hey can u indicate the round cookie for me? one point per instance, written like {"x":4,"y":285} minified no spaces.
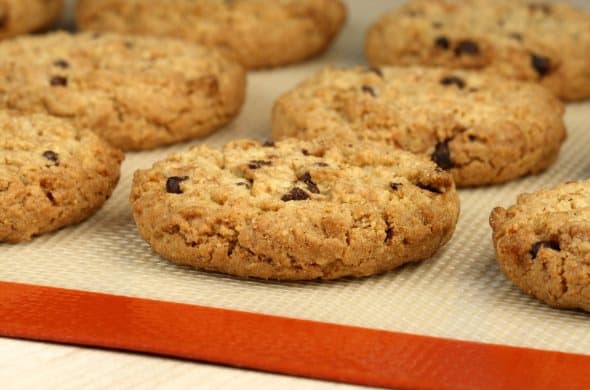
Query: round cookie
{"x":529,"y":40}
{"x":295,"y":210}
{"x":51,"y":175}
{"x":482,"y":128}
{"x":25,"y":16}
{"x":543,"y":244}
{"x":136,"y":92}
{"x":261,"y":33}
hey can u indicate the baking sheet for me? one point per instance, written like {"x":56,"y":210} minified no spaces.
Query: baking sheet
{"x":459,"y":294}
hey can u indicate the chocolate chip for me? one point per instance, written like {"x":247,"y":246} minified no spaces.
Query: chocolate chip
{"x":311,"y":186}
{"x":173,"y":184}
{"x":295,"y":194}
{"x":467,"y":47}
{"x":368,"y":89}
{"x":321,"y":164}
{"x":395,"y":186}
{"x":429,"y":187}
{"x":472,"y":138}
{"x":268,"y":144}
{"x":442,"y":155}
{"x":305,"y":152}
{"x":453,"y":80}
{"x":61,"y":64}
{"x":541,"y":64}
{"x":516,"y":36}
{"x":388,"y":234}
{"x":442,"y":42}
{"x":58,"y":81}
{"x":554,"y":245}
{"x":244,"y":184}
{"x":257,"y":164}
{"x":51,"y":156}
{"x":377,"y":71}
{"x":3,"y":20}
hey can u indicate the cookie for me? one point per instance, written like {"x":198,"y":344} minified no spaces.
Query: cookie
{"x":543,"y":244}
{"x":531,"y":40}
{"x":52,"y":174}
{"x":482,"y":128}
{"x":137,"y":93}
{"x":260,"y":33}
{"x":295,"y":210}
{"x":21,"y":17}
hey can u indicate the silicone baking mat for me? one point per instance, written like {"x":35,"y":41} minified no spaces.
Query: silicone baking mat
{"x":104,"y":287}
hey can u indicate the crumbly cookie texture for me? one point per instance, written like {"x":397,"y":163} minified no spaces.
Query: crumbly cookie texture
{"x":538,"y":41}
{"x":295,"y":210}
{"x":483,"y":129}
{"x":137,"y":93}
{"x":51,"y":175}
{"x":261,"y":33}
{"x":21,"y":17}
{"x":543,"y":244}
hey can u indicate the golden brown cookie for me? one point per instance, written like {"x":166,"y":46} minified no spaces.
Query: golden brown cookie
{"x":25,"y":16}
{"x":51,"y":175}
{"x":261,"y":33}
{"x":543,"y":244}
{"x":295,"y":210}
{"x":529,"y":40}
{"x":136,"y":92}
{"x":482,"y":128}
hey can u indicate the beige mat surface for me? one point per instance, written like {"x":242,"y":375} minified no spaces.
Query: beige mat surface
{"x":459,"y":294}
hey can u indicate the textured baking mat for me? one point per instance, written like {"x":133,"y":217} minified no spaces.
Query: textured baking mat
{"x":460,"y":294}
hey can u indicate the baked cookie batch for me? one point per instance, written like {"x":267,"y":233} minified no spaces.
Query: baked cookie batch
{"x":361,"y":174}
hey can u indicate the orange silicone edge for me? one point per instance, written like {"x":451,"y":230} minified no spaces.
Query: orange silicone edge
{"x":282,"y":345}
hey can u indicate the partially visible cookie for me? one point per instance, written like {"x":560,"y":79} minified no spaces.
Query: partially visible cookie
{"x":484,"y":129}
{"x":25,"y":16}
{"x":51,"y":175}
{"x":530,"y":40}
{"x":543,"y":244}
{"x":137,"y":93}
{"x":295,"y":210}
{"x":261,"y":33}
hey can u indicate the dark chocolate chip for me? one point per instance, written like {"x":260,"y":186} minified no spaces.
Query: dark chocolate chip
{"x":58,"y":81}
{"x":467,"y":47}
{"x":51,"y":156}
{"x":173,"y":184}
{"x":268,"y":144}
{"x":388,"y":234}
{"x":537,"y":246}
{"x":305,"y":152}
{"x":295,"y":194}
{"x":472,"y":138}
{"x":377,"y":71}
{"x":368,"y":89}
{"x":429,"y":187}
{"x":257,"y":164}
{"x":453,"y":80}
{"x":61,"y":64}
{"x":321,"y":164}
{"x":541,"y":64}
{"x":442,"y":155}
{"x":244,"y":184}
{"x":442,"y":42}
{"x":311,"y":186}
{"x":516,"y":36}
{"x":395,"y":186}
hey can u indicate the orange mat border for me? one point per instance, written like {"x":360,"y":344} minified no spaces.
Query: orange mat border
{"x":276,"y":344}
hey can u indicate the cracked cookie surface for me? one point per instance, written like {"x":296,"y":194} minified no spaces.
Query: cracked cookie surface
{"x":21,"y":17}
{"x":531,"y":40}
{"x":543,"y":244}
{"x":51,"y":175}
{"x":483,"y":129}
{"x":295,"y":210}
{"x":137,"y":93}
{"x":260,"y":33}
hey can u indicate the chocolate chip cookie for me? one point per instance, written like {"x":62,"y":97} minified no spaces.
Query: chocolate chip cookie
{"x":137,"y":93}
{"x":21,"y":17}
{"x":294,"y":209}
{"x":531,"y":40}
{"x":543,"y":244}
{"x":482,"y":128}
{"x":260,"y":33}
{"x":52,"y":174}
